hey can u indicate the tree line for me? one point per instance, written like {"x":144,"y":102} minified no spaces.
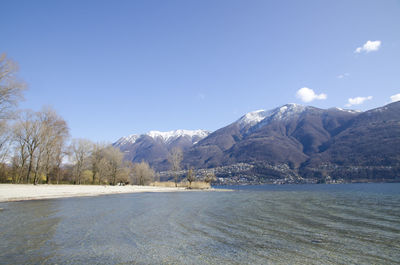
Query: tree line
{"x":35,"y":146}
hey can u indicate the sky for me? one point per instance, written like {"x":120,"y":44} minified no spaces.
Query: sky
{"x":114,"y":68}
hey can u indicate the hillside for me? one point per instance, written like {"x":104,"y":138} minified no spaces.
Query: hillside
{"x":154,"y":146}
{"x":295,"y":142}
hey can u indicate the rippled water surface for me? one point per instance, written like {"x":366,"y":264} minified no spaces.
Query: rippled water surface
{"x":299,"y":224}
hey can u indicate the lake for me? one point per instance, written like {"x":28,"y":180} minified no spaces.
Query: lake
{"x":270,"y":224}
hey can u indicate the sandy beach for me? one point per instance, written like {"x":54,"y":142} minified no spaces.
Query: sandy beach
{"x":22,"y":192}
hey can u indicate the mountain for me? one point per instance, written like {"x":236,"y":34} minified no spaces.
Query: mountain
{"x":369,"y":147}
{"x":288,"y":134}
{"x":154,"y":146}
{"x":288,"y":144}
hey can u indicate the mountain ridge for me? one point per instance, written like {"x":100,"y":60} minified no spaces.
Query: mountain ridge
{"x":165,"y":136}
{"x":154,"y":146}
{"x":301,"y":138}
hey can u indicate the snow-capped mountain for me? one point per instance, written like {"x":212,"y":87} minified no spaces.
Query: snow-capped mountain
{"x":290,"y":132}
{"x":349,"y":110}
{"x":283,"y":112}
{"x":280,"y":125}
{"x":259,"y":118}
{"x":154,"y":146}
{"x":252,"y":118}
{"x":130,"y":139}
{"x":166,"y":137}
{"x":303,"y":138}
{"x":256,"y":119}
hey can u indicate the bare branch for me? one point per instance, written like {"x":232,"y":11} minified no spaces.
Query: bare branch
{"x":11,"y":87}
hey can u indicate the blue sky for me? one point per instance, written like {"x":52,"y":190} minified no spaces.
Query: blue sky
{"x":113,"y":68}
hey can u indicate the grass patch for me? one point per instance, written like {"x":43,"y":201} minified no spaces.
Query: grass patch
{"x":184,"y":184}
{"x":200,"y":185}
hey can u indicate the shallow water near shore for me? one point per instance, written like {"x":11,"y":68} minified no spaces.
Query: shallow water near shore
{"x":287,"y":224}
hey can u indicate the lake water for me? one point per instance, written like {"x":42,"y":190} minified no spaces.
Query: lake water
{"x":288,"y":224}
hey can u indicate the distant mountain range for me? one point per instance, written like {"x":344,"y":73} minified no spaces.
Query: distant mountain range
{"x":154,"y":146}
{"x":301,"y":141}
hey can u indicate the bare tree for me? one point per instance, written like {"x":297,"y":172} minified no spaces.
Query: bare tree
{"x":142,"y":173}
{"x":20,"y":157}
{"x":19,"y":165}
{"x":5,"y":140}
{"x":27,"y":135}
{"x":114,"y":158}
{"x":190,"y":176}
{"x":127,"y":172}
{"x":210,"y":177}
{"x":37,"y":167}
{"x":54,"y":135}
{"x":5,"y":171}
{"x":39,"y":140}
{"x":175,"y":158}
{"x":103,"y":171}
{"x":61,"y":152}
{"x":80,"y":153}
{"x":97,"y":161}
{"x":11,"y":87}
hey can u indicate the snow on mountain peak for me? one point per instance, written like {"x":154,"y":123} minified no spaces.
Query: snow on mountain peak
{"x":170,"y":135}
{"x":349,"y":110}
{"x":130,"y":139}
{"x":287,"y":111}
{"x":261,"y":117}
{"x":253,"y":117}
{"x":164,"y":136}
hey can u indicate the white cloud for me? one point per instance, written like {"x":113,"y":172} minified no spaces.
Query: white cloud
{"x":395,"y":98}
{"x":369,"y":46}
{"x":307,"y":94}
{"x":357,"y":101}
{"x":343,"y":75}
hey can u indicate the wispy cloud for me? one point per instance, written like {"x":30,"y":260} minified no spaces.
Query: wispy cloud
{"x":369,"y":46}
{"x":357,"y":101}
{"x":343,"y":75}
{"x":395,"y":98}
{"x":307,"y":95}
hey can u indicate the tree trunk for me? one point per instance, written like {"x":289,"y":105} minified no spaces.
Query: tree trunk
{"x":28,"y":179}
{"x":58,"y":175}
{"x":36,"y":177}
{"x":176,"y":181}
{"x":113,"y":179}
{"x":94,"y":177}
{"x":47,"y":175}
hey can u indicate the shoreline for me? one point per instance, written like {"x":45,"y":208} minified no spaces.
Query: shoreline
{"x":29,"y":192}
